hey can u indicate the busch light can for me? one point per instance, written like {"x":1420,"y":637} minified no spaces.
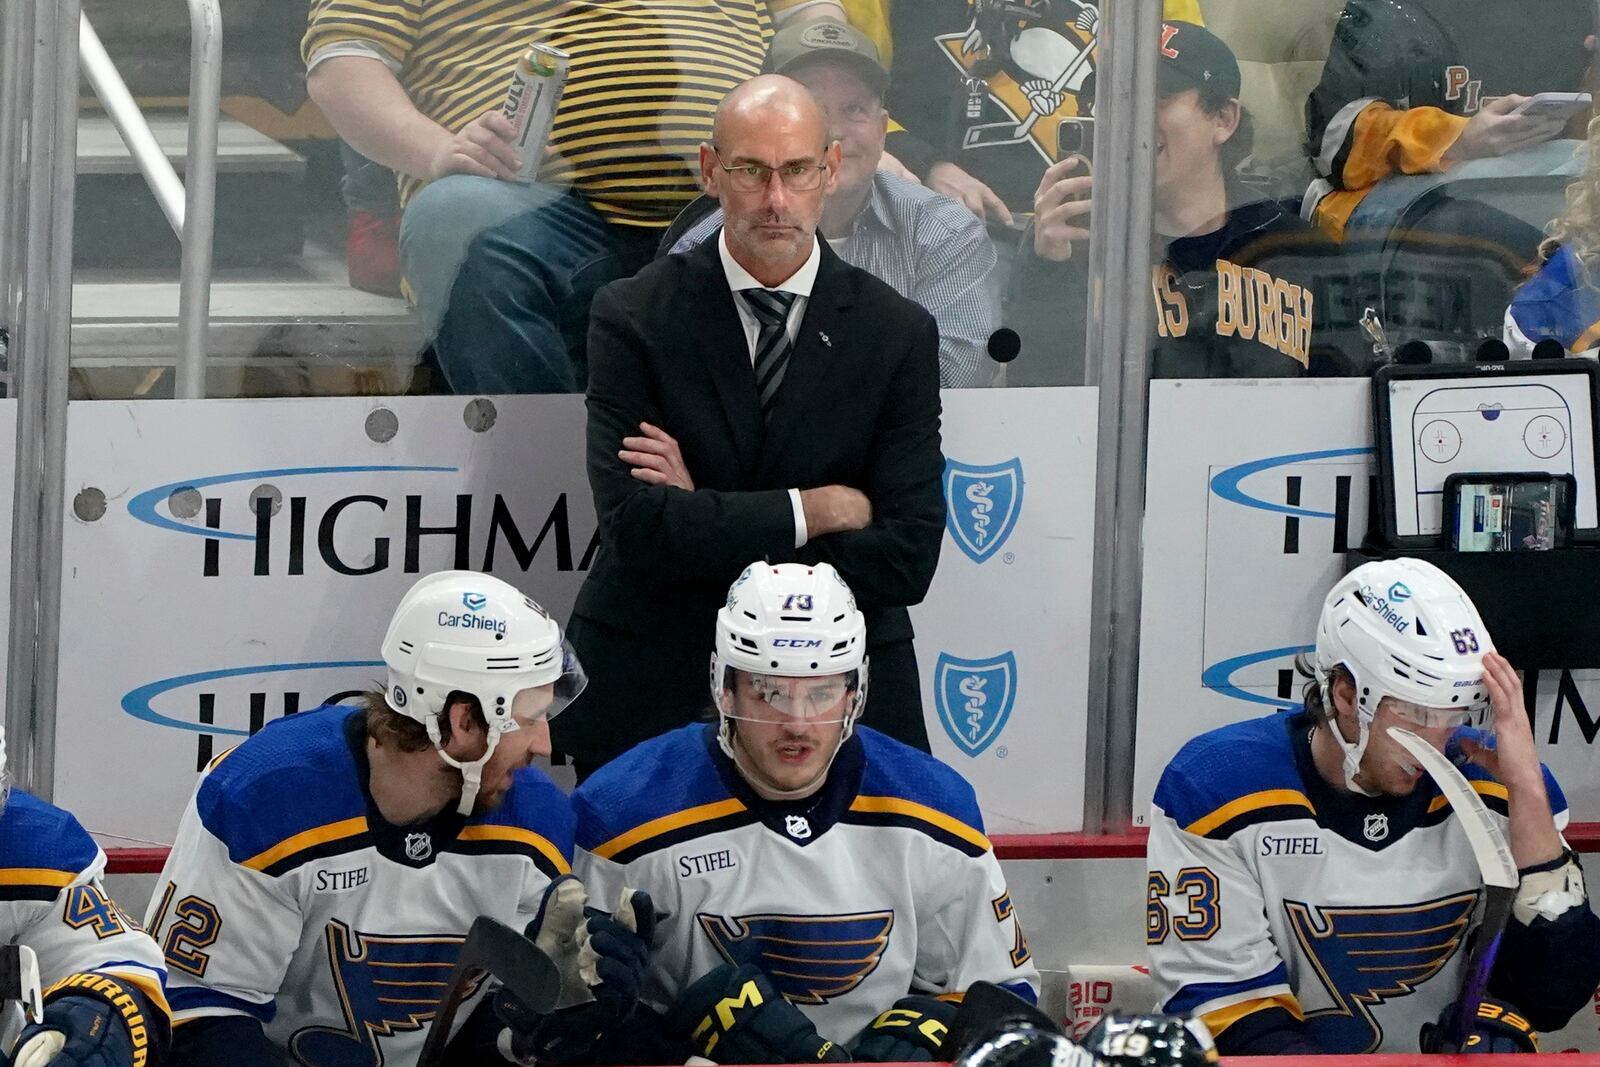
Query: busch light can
{"x":536,"y":86}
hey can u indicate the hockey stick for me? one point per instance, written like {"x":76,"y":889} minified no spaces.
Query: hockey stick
{"x":986,"y":1010}
{"x":493,"y":949}
{"x":20,"y":1002}
{"x":1495,"y":864}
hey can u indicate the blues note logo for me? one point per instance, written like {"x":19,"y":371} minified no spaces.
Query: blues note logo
{"x":1365,"y":956}
{"x":982,"y":505}
{"x":974,"y":698}
{"x":810,"y":958}
{"x":388,"y":986}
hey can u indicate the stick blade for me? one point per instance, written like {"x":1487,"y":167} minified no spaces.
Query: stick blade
{"x":1489,"y":845}
{"x":494,"y":949}
{"x":987,"y":1009}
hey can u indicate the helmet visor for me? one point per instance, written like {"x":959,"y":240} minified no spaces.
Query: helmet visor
{"x":551,"y":699}
{"x":773,"y":699}
{"x":1475,"y":714}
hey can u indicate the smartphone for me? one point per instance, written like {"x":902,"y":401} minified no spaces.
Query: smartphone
{"x":1075,"y":137}
{"x":1509,"y":512}
{"x":1554,"y":105}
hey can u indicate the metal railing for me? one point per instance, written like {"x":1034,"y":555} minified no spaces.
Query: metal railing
{"x":190,"y":204}
{"x":45,"y":44}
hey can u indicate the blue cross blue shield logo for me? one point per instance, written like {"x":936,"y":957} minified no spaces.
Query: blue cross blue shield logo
{"x":974,"y":697}
{"x":982,"y":505}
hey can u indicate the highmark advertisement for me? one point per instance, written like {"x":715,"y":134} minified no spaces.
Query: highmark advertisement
{"x":229,"y":562}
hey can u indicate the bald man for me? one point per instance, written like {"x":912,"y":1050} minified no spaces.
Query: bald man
{"x":755,"y":398}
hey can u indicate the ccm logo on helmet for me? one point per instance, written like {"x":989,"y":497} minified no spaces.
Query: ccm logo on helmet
{"x":797,"y":642}
{"x":472,"y":622}
{"x":1381,"y":606}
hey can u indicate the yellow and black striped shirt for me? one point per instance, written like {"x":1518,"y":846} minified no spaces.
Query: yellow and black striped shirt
{"x":646,"y":79}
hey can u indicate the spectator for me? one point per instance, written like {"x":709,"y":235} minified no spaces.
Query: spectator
{"x":1415,"y":86}
{"x":929,"y":248}
{"x":870,"y":930}
{"x":992,"y":94}
{"x":1562,"y":301}
{"x":1280,"y":844}
{"x":503,"y":272}
{"x":1232,"y":287}
{"x":756,"y":398}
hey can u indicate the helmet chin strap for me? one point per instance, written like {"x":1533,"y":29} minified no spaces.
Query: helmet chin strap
{"x":471,"y":770}
{"x":1352,"y":751}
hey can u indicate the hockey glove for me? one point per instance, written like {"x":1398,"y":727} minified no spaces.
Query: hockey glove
{"x":602,"y":959}
{"x":911,"y":1031}
{"x":616,"y":950}
{"x":735,"y":1015}
{"x":1499,"y":1028}
{"x":91,"y":1020}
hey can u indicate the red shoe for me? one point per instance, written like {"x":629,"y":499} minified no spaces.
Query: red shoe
{"x":372,"y":253}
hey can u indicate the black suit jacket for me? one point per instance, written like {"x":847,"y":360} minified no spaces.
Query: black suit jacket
{"x":859,"y":406}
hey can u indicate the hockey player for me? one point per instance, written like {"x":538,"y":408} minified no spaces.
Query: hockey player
{"x":806,"y":863}
{"x":326,"y":870}
{"x":1310,"y":890}
{"x":103,"y":1000}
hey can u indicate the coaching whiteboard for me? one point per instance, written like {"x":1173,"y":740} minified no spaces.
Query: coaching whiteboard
{"x":1504,"y":423}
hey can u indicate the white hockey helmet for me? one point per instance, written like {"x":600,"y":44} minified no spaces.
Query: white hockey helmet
{"x":1403,"y":629}
{"x":789,"y":620}
{"x":461,"y":631}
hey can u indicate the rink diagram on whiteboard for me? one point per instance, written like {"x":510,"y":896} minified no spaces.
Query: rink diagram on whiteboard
{"x":1485,"y":427}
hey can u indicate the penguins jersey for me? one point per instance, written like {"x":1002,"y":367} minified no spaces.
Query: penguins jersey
{"x":880,"y":885}
{"x":52,"y":901}
{"x":289,"y":899}
{"x":1268,"y":889}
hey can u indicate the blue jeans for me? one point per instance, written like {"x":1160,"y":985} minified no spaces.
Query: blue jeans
{"x":503,"y":275}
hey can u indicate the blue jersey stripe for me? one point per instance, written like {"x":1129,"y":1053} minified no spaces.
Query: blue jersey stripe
{"x":1190,"y":997}
{"x":192,"y":998}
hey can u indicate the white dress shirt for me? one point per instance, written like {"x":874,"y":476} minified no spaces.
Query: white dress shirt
{"x":799,"y":283}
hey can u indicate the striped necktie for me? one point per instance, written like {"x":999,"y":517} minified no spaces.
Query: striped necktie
{"x":771,"y":309}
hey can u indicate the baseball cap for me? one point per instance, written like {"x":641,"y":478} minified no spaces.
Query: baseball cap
{"x":1192,"y":57}
{"x":795,"y":46}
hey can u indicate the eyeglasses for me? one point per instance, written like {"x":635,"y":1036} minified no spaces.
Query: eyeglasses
{"x":797,"y":177}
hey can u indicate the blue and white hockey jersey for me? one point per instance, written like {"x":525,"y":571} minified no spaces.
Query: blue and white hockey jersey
{"x":879,"y":885}
{"x":1270,"y":890}
{"x":52,"y":901}
{"x":287,"y":897}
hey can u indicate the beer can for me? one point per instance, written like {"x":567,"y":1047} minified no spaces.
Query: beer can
{"x":531,"y":102}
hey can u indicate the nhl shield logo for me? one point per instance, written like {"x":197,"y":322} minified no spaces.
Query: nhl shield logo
{"x":1375,"y":827}
{"x":418,"y":847}
{"x":974,"y":698}
{"x":982,"y":505}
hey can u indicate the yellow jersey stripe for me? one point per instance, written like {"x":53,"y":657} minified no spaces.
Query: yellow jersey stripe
{"x":668,"y":823}
{"x":1488,"y":789}
{"x":923,"y":813}
{"x":521,"y":836}
{"x":1267,"y":798}
{"x":1219,"y":1020}
{"x":36,"y":876}
{"x":146,"y":984}
{"x":317,"y":835}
